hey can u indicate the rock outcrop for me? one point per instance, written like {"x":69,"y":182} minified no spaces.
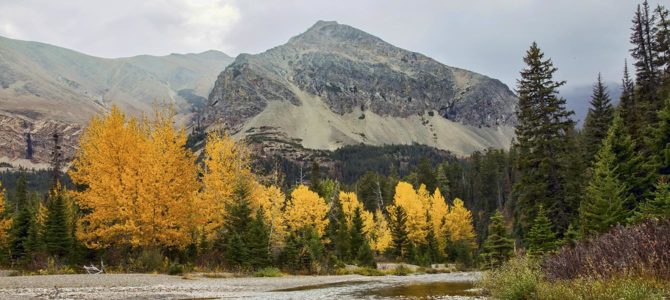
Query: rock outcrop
{"x":335,"y":85}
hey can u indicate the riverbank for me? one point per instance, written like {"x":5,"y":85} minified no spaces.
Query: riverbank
{"x":148,"y":286}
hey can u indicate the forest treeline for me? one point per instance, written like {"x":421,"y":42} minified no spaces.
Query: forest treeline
{"x":139,"y":197}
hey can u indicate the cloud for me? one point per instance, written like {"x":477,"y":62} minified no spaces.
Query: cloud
{"x":583,"y":37}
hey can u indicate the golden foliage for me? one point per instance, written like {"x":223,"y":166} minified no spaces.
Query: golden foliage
{"x":350,"y":203}
{"x":226,"y":162}
{"x":380,"y":235}
{"x":306,"y":208}
{"x":438,"y":213}
{"x":407,"y":198}
{"x":5,"y":223}
{"x":459,"y":222}
{"x":271,"y":200}
{"x":139,"y":180}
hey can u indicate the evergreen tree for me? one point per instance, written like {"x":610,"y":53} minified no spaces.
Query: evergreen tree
{"x":19,"y":233}
{"x":543,"y":145}
{"x":442,"y":179}
{"x":432,"y":247}
{"x":342,"y":239}
{"x":663,"y":40}
{"x":570,"y":236}
{"x":21,"y":194}
{"x":498,"y":246}
{"x":400,"y":244}
{"x":289,"y":256}
{"x":56,"y":160}
{"x":357,"y":235}
{"x":627,"y":106}
{"x":606,"y":195}
{"x":541,"y":239}
{"x":258,"y":241}
{"x":659,"y":160}
{"x":629,"y":167}
{"x":658,"y":206}
{"x":236,"y":227}
{"x":315,"y":178}
{"x":365,"y":256}
{"x":642,"y":38}
{"x":425,"y":174}
{"x":57,"y":237}
{"x":598,"y":119}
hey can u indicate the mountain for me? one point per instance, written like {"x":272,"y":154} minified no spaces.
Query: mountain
{"x":43,"y":87}
{"x":335,"y":85}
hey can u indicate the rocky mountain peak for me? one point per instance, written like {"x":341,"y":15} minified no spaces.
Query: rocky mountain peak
{"x":327,"y":33}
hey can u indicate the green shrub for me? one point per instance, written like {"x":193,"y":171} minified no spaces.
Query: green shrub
{"x":606,"y":289}
{"x":401,"y":270}
{"x":175,"y":269}
{"x":516,"y":279}
{"x":149,"y":260}
{"x":367,"y":271}
{"x":268,"y":272}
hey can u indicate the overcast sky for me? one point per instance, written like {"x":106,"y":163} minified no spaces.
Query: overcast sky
{"x":583,"y":37}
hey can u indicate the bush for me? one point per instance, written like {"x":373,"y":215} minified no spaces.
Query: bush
{"x":642,"y":249}
{"x":149,"y":260}
{"x":516,"y":279}
{"x":268,"y":272}
{"x":401,"y":270}
{"x":613,"y":288}
{"x":175,"y":269}
{"x":367,"y":271}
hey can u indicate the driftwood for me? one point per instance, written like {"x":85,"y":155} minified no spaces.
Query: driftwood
{"x":92,"y":269}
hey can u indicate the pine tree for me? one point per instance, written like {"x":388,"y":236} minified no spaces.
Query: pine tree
{"x":663,"y":40}
{"x":57,"y":237}
{"x":56,"y":160}
{"x":19,"y":233}
{"x":342,"y":238}
{"x":598,"y":119}
{"x":657,"y":207}
{"x":541,"y":238}
{"x":498,"y":246}
{"x":642,"y":38}
{"x":425,"y":174}
{"x":432,"y":247}
{"x":21,"y":193}
{"x":236,"y":226}
{"x":627,"y":104}
{"x":606,"y":195}
{"x":357,"y":235}
{"x":399,"y":233}
{"x":629,"y":169}
{"x":258,"y":242}
{"x":571,"y":235}
{"x":542,"y":143}
{"x":365,"y":256}
{"x":659,"y":162}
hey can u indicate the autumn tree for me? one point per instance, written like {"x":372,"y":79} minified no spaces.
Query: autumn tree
{"x":438,"y":212}
{"x":306,"y":209}
{"x":138,"y":181}
{"x":226,"y":162}
{"x":413,"y":209}
{"x":5,"y":220}
{"x":380,"y":235}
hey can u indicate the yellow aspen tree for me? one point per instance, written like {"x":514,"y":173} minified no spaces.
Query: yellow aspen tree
{"x":5,"y":223}
{"x":169,"y":181}
{"x":350,"y":203}
{"x":226,"y":162}
{"x":271,"y":200}
{"x":459,"y":223}
{"x":380,"y":235}
{"x":407,"y":198}
{"x":109,"y":166}
{"x":306,"y":208}
{"x":438,"y":214}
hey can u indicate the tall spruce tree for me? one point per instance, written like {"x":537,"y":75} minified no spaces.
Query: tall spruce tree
{"x":598,"y":119}
{"x":606,"y":195}
{"x":258,"y":241}
{"x":657,"y":207}
{"x":19,"y":233}
{"x":543,"y":145}
{"x":357,"y":235}
{"x":643,"y":40}
{"x":498,"y":247}
{"x":627,"y":106}
{"x":57,"y":237}
{"x":659,"y":143}
{"x":663,"y":40}
{"x":541,"y":238}
{"x":56,"y":163}
{"x":233,"y":240}
{"x":400,"y":241}
{"x":365,"y":256}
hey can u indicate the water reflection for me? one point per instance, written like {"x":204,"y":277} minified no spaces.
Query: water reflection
{"x":423,"y":290}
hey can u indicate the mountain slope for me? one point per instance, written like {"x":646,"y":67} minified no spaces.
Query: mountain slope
{"x":336,"y":85}
{"x":44,"y":86}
